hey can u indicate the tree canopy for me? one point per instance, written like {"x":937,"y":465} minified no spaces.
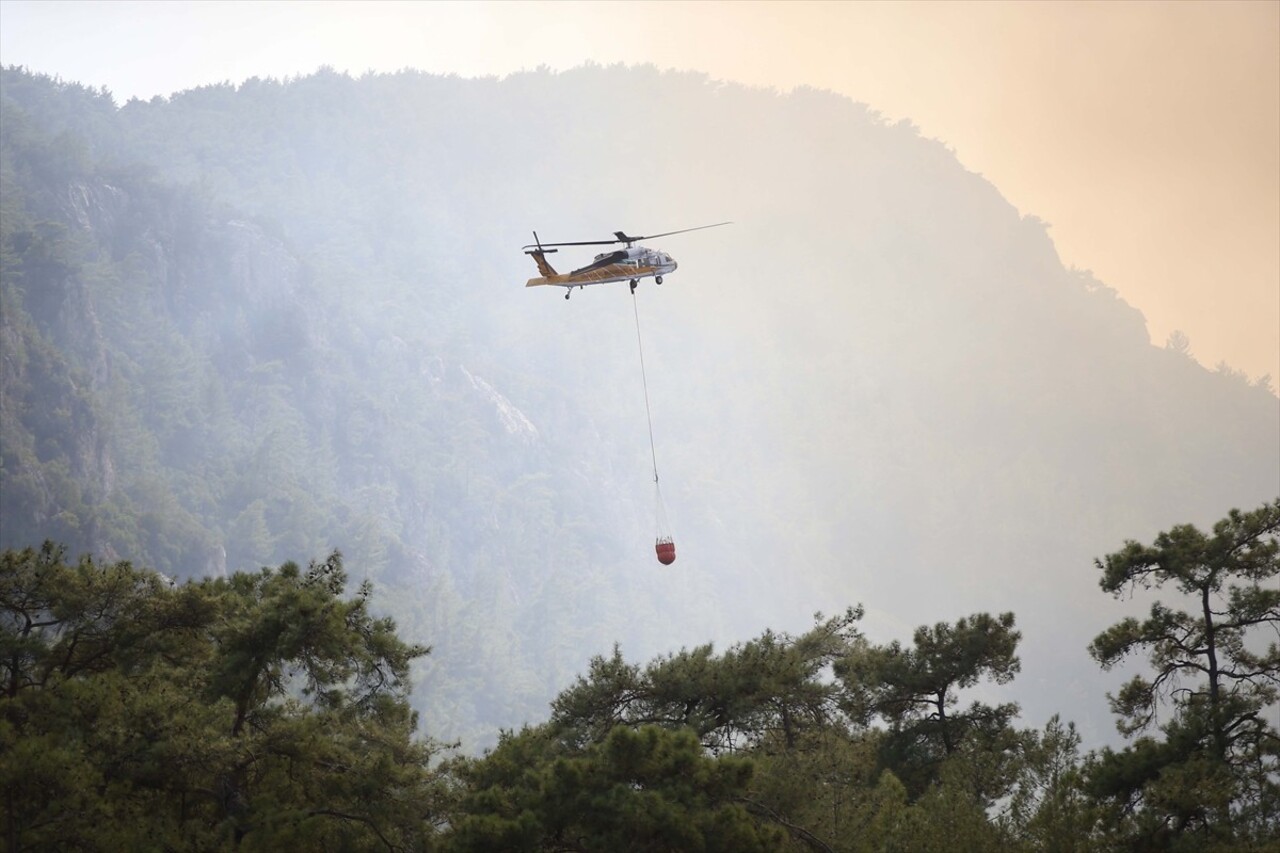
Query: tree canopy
{"x":265,"y":711}
{"x":1217,"y":665}
{"x":269,"y":710}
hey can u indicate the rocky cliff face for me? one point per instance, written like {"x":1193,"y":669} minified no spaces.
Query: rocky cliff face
{"x":113,"y":295}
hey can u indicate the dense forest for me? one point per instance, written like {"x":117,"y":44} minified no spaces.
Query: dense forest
{"x":268,"y":711}
{"x":260,"y":325}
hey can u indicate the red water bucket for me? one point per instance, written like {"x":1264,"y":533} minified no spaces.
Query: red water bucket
{"x":666,"y":549}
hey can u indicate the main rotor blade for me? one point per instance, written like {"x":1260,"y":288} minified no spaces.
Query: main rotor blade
{"x":626,"y":238}
{"x":681,"y":231}
{"x":580,"y":243}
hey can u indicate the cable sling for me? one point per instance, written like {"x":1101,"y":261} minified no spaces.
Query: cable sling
{"x":645,"y":382}
{"x":665,"y":545}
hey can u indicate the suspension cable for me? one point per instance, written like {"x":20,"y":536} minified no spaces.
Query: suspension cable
{"x":645,"y":381}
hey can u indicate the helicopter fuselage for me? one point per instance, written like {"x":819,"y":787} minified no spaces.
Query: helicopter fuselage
{"x":629,"y":264}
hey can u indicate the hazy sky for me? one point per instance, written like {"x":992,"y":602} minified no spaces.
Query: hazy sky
{"x":1147,"y":134}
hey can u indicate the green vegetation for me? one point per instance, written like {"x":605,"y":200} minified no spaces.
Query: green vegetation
{"x":263,"y":711}
{"x":269,"y":711}
{"x":1214,"y":775}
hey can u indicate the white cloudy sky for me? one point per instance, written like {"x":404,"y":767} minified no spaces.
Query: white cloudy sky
{"x":1147,"y":134}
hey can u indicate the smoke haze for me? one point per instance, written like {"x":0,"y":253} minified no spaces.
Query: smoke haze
{"x":1148,"y":135}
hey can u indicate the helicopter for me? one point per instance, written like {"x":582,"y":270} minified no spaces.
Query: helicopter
{"x":630,"y":263}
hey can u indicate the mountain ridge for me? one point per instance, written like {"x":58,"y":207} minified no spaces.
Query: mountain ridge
{"x":279,"y":317}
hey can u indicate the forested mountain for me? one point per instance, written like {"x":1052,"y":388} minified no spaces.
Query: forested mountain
{"x":251,"y":324}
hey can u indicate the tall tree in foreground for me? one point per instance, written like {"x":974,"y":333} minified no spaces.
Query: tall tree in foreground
{"x":1215,"y":778}
{"x":266,"y":711}
{"x":916,"y":691}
